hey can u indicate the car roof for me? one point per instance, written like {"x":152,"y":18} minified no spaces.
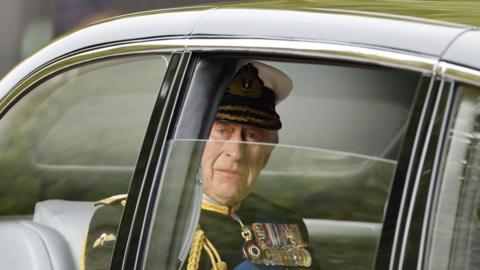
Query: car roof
{"x":287,"y":21}
{"x":425,"y":38}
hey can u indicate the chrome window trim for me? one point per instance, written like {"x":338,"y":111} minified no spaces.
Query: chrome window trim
{"x":459,"y":73}
{"x":390,"y":58}
{"x":426,"y":234}
{"x":416,"y":181}
{"x":448,"y":72}
{"x":396,"y":59}
{"x":399,"y":242}
{"x":55,"y":66}
{"x":357,"y":52}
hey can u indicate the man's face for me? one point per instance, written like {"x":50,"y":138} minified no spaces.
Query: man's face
{"x":232,"y":160}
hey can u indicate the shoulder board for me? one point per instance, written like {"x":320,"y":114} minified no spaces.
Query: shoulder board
{"x":115,"y":199}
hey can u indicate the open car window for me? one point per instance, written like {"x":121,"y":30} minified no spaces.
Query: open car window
{"x":344,"y":126}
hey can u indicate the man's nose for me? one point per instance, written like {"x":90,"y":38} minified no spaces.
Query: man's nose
{"x":235,"y":148}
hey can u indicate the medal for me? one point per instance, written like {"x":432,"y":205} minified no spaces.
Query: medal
{"x":252,"y":251}
{"x":281,"y":244}
{"x":274,"y":244}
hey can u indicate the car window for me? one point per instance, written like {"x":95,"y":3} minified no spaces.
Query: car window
{"x":74,"y":140}
{"x":329,"y":176}
{"x":455,"y":235}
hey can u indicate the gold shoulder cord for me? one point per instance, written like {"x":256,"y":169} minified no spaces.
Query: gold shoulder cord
{"x":84,"y":249}
{"x":200,"y":241}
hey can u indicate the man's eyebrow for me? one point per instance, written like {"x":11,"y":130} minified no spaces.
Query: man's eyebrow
{"x":222,"y":122}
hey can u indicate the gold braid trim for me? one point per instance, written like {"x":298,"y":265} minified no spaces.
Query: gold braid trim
{"x":212,"y":258}
{"x":84,"y":250}
{"x":217,"y":262}
{"x":200,"y":241}
{"x":246,"y":119}
{"x":220,"y":209}
{"x":195,"y":250}
{"x":243,"y":109}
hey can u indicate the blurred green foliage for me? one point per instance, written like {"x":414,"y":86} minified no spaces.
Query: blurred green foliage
{"x":78,"y":134}
{"x":462,"y":12}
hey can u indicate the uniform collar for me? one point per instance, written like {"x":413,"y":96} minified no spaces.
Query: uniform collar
{"x":209,"y":204}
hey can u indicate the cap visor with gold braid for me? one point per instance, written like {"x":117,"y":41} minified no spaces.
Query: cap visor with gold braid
{"x":252,"y":94}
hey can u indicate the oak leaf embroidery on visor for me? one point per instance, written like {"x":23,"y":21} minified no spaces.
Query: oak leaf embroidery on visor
{"x":246,"y":119}
{"x":243,"y":109}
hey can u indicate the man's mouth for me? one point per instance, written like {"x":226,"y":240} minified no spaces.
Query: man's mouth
{"x":229,"y":173}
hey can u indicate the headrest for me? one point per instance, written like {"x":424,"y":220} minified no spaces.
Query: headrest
{"x":70,"y":218}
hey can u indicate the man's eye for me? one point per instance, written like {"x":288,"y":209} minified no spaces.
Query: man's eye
{"x":251,"y":135}
{"x":222,"y":131}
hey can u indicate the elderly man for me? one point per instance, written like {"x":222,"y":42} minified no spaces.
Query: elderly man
{"x":238,"y":229}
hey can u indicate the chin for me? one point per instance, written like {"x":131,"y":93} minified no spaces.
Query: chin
{"x":228,"y":198}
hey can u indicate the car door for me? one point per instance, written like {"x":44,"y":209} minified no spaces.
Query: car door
{"x":353,"y":128}
{"x":77,"y":130}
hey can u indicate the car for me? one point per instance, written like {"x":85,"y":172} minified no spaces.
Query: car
{"x":377,"y":154}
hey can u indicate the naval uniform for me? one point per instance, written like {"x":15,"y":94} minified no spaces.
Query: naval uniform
{"x":223,"y":228}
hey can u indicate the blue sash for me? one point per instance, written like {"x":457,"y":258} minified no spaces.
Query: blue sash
{"x":247,"y":265}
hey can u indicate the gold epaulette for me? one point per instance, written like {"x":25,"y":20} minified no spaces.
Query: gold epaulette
{"x":115,"y":199}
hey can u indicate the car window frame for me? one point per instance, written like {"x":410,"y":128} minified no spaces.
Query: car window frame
{"x":391,"y":239}
{"x":428,"y":178}
{"x":306,"y":51}
{"x":152,"y":157}
{"x":190,"y":125}
{"x":450,"y":75}
{"x":416,"y":210}
{"x":414,"y":247}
